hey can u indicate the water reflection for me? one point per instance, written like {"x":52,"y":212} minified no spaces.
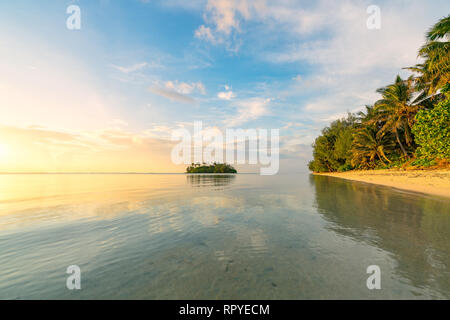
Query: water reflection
{"x":209,"y":180}
{"x":177,"y":237}
{"x":415,"y":229}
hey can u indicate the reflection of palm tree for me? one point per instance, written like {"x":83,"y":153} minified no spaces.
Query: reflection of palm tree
{"x":411,"y":229}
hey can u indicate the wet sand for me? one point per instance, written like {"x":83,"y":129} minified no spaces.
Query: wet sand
{"x":436,"y":182}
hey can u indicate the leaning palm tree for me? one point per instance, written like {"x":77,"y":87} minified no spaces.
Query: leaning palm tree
{"x":368,"y":146}
{"x":434,"y":72}
{"x":396,"y":110}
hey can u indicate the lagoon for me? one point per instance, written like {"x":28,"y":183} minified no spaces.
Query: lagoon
{"x":156,"y":236}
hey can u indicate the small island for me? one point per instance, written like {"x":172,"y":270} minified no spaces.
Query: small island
{"x":211,"y":168}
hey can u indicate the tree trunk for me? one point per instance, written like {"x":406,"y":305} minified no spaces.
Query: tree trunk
{"x":381,"y":159}
{"x":400,"y":144}
{"x":384,"y":156}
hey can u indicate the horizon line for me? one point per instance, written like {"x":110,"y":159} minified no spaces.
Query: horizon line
{"x":119,"y":172}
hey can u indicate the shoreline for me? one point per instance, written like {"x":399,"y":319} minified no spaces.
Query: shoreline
{"x":433,"y":182}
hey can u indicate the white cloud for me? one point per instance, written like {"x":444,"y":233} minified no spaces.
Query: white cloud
{"x":349,"y":61}
{"x":223,"y":14}
{"x":185,"y":88}
{"x":224,"y":18}
{"x":250,"y":109}
{"x":293,"y":146}
{"x":205,"y":33}
{"x":228,"y":95}
{"x":352,"y":48}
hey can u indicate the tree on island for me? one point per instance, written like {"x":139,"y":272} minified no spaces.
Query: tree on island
{"x":212,"y":168}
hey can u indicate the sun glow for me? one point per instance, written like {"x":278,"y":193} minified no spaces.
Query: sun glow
{"x":4,"y":151}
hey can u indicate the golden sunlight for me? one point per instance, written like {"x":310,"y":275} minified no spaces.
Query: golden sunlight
{"x":4,"y":151}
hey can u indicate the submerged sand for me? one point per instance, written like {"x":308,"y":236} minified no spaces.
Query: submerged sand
{"x":436,"y":182}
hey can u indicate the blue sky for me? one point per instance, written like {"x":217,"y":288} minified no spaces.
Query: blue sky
{"x":147,"y":67}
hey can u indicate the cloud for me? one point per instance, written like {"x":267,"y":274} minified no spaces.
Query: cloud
{"x":179,"y":91}
{"x":348,"y":61}
{"x":343,"y":101}
{"x":118,"y":122}
{"x":296,"y":146}
{"x":351,"y":47}
{"x":185,"y":88}
{"x":224,"y":14}
{"x":172,"y":95}
{"x":224,"y":18}
{"x":250,"y":109}
{"x":228,"y":95}
{"x":132,"y":68}
{"x":205,"y":33}
{"x":37,"y":149}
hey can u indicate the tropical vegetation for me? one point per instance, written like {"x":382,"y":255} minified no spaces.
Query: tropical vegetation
{"x":408,"y":125}
{"x":212,"y":168}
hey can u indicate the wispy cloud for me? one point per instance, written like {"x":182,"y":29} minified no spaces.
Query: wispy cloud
{"x":132,"y":68}
{"x":172,"y":95}
{"x":350,"y":61}
{"x":109,"y":149}
{"x":185,"y":88}
{"x":224,"y":18}
{"x":179,"y":91}
{"x":205,"y":33}
{"x":247,"y":110}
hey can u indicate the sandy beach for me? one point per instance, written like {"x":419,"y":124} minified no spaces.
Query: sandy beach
{"x":436,"y":182}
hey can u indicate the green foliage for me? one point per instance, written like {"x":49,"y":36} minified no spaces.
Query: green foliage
{"x":214,"y":168}
{"x":423,"y":162}
{"x":434,"y":72}
{"x":345,"y":167}
{"x":396,"y":110}
{"x":371,"y":150}
{"x":332,"y":150}
{"x":411,"y":118}
{"x":432,"y":133}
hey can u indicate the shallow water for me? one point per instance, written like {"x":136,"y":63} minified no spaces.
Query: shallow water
{"x":219,"y":237}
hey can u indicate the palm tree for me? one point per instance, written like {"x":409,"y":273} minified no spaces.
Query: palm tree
{"x":434,"y":72}
{"x":368,"y":145}
{"x":365,"y":117}
{"x":396,"y":110}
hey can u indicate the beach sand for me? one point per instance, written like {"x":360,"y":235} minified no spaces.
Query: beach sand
{"x":436,"y":182}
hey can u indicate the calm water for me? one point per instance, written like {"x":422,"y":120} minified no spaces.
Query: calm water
{"x":219,"y":237}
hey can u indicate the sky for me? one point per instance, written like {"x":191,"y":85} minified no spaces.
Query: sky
{"x":108,"y":96}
